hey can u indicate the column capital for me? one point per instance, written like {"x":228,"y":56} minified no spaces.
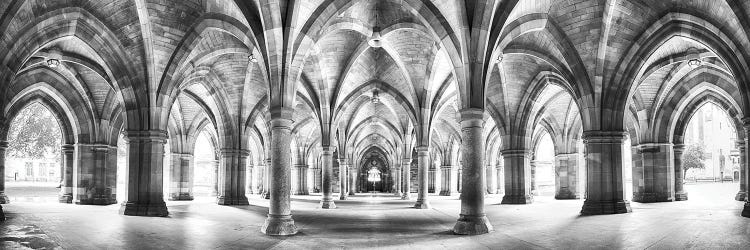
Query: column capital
{"x":146,"y":136}
{"x":328,"y":149}
{"x":604,"y":137}
{"x":653,"y":145}
{"x":472,"y":117}
{"x":66,"y":148}
{"x":740,"y":144}
{"x":678,"y":148}
{"x":746,"y":123}
{"x":516,"y":153}
{"x":300,"y":166}
{"x":182,"y":155}
{"x":234,"y":152}
{"x":422,"y":149}
{"x":3,"y":145}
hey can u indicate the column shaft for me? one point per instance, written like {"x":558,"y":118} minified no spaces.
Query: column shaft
{"x":145,"y":174}
{"x":472,"y":219}
{"x":655,"y":181}
{"x":566,"y":176}
{"x":3,"y":197}
{"x":517,"y":177}
{"x":352,"y":180}
{"x":490,"y":180}
{"x":343,"y":179}
{"x":423,"y":159}
{"x":679,"y":172}
{"x":327,"y":186}
{"x":500,"y":178}
{"x":397,"y":180}
{"x":447,"y":187}
{"x":279,"y":221}
{"x":301,"y":180}
{"x":743,"y":168}
{"x":181,"y":188}
{"x":250,"y":179}
{"x":232,"y":177}
{"x":605,"y":190}
{"x":215,"y":178}
{"x":406,"y":179}
{"x":266,"y":181}
{"x":66,"y":189}
{"x":746,"y":209}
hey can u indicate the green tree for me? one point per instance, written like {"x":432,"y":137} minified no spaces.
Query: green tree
{"x":693,"y":157}
{"x":34,"y":133}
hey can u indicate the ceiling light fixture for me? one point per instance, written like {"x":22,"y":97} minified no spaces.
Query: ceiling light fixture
{"x":376,"y":40}
{"x":499,"y":58}
{"x":252,"y":58}
{"x":53,"y":63}
{"x":375,"y":97}
{"x":694,"y":63}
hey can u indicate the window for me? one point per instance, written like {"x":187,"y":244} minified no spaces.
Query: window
{"x":42,"y":168}
{"x":29,"y":169}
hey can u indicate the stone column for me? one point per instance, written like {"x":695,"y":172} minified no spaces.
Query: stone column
{"x":500,"y":178}
{"x":432,"y":181}
{"x":517,"y":177}
{"x":250,"y":179}
{"x":90,"y":184}
{"x":301,"y":170}
{"x":746,"y":209}
{"x":566,"y":173}
{"x":215,"y":177}
{"x":327,"y":186}
{"x":104,"y":184}
{"x":3,"y":197}
{"x":406,"y":179}
{"x":279,"y":221}
{"x":145,"y":173}
{"x":655,"y":182}
{"x":266,"y":181}
{"x":447,"y":180}
{"x":317,"y":178}
{"x":423,"y":159}
{"x":605,"y":190}
{"x":472,"y":219}
{"x":66,"y":189}
{"x":490,"y":180}
{"x":352,"y":180}
{"x":679,"y":172}
{"x":343,"y":179}
{"x":181,"y":188}
{"x":397,"y":180}
{"x":232,"y":177}
{"x":743,"y":168}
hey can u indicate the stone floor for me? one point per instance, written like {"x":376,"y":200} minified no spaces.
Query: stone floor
{"x":710,"y":219}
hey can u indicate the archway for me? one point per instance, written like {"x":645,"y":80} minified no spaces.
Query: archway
{"x":33,"y":160}
{"x":543,"y":167}
{"x":206,"y":166}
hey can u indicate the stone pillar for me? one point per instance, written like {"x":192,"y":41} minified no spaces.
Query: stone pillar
{"x":500,"y":178}
{"x":743,"y":168}
{"x":90,"y":179}
{"x":566,"y":176}
{"x":250,"y":179}
{"x":301,"y":179}
{"x":279,"y":221}
{"x":746,"y":209}
{"x":181,"y":188}
{"x":397,"y":180}
{"x":145,"y":173}
{"x":532,"y":167}
{"x":232,"y":177}
{"x":3,"y":197}
{"x":517,"y":177}
{"x":605,"y":190}
{"x":679,"y":172}
{"x":352,"y":180}
{"x":317,"y":178}
{"x":489,"y":177}
{"x":266,"y":181}
{"x":423,"y":160}
{"x":431,"y":179}
{"x":472,"y":219}
{"x":447,"y":180}
{"x":406,"y":179}
{"x":343,"y":179}
{"x":215,"y":177}
{"x":66,"y":189}
{"x":327,"y":186}
{"x":655,"y":182}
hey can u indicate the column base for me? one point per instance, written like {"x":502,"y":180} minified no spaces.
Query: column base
{"x":265,"y":195}
{"x":301,"y":193}
{"x":499,"y":191}
{"x":406,"y":196}
{"x":740,"y":196}
{"x":605,"y":207}
{"x":652,"y":197}
{"x":351,"y":193}
{"x":397,"y":194}
{"x":472,"y":225}
{"x":517,"y":199}
{"x":4,"y":198}
{"x":445,"y":193}
{"x":97,"y":200}
{"x":422,"y":204}
{"x":746,"y":210}
{"x":65,"y":198}
{"x":327,"y":204}
{"x":157,"y":209}
{"x":683,"y":196}
{"x":181,"y":197}
{"x":279,"y":225}
{"x":2,"y":214}
{"x":343,"y":197}
{"x":566,"y":194}
{"x":229,"y":201}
